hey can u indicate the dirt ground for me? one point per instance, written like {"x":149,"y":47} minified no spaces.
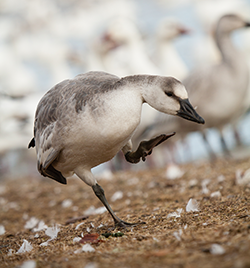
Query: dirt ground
{"x":148,"y":196}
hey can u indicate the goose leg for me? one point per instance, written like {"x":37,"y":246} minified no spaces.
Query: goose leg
{"x":145,"y":148}
{"x":224,"y":145}
{"x":209,"y":148}
{"x":99,"y":192}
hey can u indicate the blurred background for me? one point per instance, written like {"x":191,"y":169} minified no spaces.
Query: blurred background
{"x":43,"y":42}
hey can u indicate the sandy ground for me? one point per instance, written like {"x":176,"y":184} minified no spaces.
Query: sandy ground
{"x":218,"y":235}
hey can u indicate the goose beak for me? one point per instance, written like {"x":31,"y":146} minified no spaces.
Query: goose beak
{"x":188,"y":112}
{"x":247,"y":24}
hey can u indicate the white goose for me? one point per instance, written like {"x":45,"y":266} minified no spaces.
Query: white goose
{"x":83,"y":122}
{"x":166,"y":56}
{"x":130,"y":55}
{"x":217,"y":90}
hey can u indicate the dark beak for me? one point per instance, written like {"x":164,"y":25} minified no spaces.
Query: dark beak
{"x":247,"y":24}
{"x":188,"y":112}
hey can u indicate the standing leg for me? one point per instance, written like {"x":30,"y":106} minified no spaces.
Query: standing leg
{"x":208,"y":146}
{"x":99,"y":192}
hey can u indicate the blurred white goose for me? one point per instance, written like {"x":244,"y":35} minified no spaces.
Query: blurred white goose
{"x":166,"y":57}
{"x":129,"y":55}
{"x":83,"y":122}
{"x":217,"y":90}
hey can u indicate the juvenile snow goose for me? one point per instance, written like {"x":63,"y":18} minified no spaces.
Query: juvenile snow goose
{"x":83,"y":122}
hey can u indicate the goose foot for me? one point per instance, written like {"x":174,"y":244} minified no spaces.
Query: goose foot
{"x":124,"y":224}
{"x":145,"y":148}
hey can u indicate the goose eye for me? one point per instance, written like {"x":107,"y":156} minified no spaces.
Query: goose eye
{"x":169,"y":94}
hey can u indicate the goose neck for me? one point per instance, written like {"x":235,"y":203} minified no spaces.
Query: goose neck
{"x":227,"y":49}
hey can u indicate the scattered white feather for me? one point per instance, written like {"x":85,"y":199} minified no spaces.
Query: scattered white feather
{"x":85,"y":248}
{"x":67,"y":203}
{"x":105,"y":175}
{"x":242,"y":179}
{"x":204,"y":184}
{"x":193,"y":183}
{"x":175,"y":214}
{"x":36,"y":235}
{"x":26,"y":247}
{"x":91,"y":265}
{"x":216,"y":194}
{"x":192,"y":205}
{"x":31,"y":223}
{"x":221,"y":178}
{"x":92,"y":210}
{"x":217,"y":249}
{"x":45,"y":244}
{"x":52,"y":203}
{"x":76,"y":239}
{"x":100,"y":210}
{"x":133,"y":181}
{"x":173,"y":172}
{"x":41,"y":226}
{"x":116,"y":196}
{"x":25,"y":216}
{"x":52,"y":231}
{"x":28,"y":264}
{"x":100,"y":226}
{"x":78,"y":225}
{"x":88,"y":229}
{"x":92,"y":225}
{"x":2,"y":230}
{"x":178,"y":234}
{"x":11,"y":251}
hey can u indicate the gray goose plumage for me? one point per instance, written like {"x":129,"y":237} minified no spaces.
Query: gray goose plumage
{"x":83,"y":122}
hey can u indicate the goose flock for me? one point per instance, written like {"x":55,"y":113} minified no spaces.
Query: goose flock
{"x":56,"y":41}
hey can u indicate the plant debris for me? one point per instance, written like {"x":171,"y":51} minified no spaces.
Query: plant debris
{"x":91,"y":238}
{"x":118,"y":234}
{"x":73,"y":220}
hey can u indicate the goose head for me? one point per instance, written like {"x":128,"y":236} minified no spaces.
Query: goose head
{"x":231,"y":22}
{"x":169,"y":29}
{"x":170,"y":97}
{"x":121,"y":31}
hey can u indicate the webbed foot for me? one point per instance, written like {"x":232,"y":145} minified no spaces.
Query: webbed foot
{"x":145,"y":148}
{"x":124,"y":224}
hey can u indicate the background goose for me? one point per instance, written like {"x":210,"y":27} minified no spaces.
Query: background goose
{"x":166,"y":57}
{"x":83,"y":122}
{"x":129,"y":55}
{"x":218,"y":90}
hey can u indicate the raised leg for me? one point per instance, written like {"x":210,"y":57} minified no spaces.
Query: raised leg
{"x":145,"y":148}
{"x":99,"y":192}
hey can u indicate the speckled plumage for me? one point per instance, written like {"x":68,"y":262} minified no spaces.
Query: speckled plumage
{"x":83,"y":122}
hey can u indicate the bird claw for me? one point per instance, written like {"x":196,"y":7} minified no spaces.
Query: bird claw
{"x":145,"y":148}
{"x":124,"y":224}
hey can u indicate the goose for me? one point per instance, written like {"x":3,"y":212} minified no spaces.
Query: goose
{"x":218,"y":91}
{"x":85,"y":121}
{"x":166,"y":56}
{"x":129,"y":55}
